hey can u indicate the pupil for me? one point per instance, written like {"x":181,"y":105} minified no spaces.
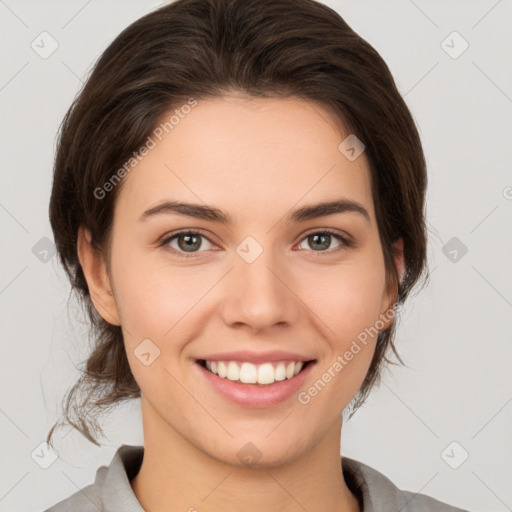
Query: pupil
{"x":187,"y":245}
{"x":325,"y":245}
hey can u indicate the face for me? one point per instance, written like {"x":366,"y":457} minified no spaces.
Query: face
{"x":266,"y":281}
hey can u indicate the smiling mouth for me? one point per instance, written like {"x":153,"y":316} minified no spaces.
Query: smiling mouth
{"x":257,"y":377}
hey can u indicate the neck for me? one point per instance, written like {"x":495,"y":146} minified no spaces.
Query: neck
{"x":177,"y":475}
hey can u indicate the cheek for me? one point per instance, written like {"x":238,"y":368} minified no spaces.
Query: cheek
{"x":348,"y":306}
{"x":154,"y":298}
{"x":346,"y":298}
{"x":155,"y":302}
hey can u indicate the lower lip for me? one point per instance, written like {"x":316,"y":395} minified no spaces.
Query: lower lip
{"x":257,"y":395}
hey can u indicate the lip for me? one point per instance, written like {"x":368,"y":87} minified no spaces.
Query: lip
{"x":257,"y":357}
{"x":256,"y":395}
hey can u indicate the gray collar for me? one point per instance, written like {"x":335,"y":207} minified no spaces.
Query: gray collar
{"x":112,"y":492}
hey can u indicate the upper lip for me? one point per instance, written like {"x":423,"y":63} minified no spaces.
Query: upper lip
{"x":256,"y":357}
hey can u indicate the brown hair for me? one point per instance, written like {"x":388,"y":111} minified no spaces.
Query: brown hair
{"x":208,"y":48}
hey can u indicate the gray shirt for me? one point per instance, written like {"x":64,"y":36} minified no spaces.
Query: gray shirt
{"x":112,"y":492}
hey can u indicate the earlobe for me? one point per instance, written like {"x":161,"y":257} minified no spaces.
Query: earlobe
{"x":98,"y":282}
{"x":391,"y":297}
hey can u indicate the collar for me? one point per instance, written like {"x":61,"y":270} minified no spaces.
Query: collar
{"x":374,"y":491}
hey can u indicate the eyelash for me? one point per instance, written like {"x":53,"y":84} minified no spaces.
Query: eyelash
{"x":346,"y":243}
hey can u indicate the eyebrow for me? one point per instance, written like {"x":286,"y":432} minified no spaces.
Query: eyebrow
{"x":206,"y":212}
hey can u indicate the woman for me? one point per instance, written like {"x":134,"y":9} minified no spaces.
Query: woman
{"x":238,"y":198}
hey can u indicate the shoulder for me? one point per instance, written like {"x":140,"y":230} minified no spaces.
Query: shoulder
{"x":111,"y":489}
{"x":379,"y":493}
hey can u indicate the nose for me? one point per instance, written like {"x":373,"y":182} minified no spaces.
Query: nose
{"x":259,"y":294}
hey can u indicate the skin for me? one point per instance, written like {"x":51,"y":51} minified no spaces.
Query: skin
{"x":275,"y":156}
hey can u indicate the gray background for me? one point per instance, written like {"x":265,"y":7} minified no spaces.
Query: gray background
{"x":454,"y":335}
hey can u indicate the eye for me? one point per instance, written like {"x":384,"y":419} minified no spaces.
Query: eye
{"x":187,"y":242}
{"x":322,"y":240}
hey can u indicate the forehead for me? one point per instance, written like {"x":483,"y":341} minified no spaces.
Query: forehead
{"x":246,"y":156}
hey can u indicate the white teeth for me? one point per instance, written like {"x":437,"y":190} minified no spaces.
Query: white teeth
{"x":249,"y":373}
{"x":266,"y":374}
{"x":280,"y":372}
{"x":222,"y":369}
{"x":290,"y":371}
{"x":233,"y":371}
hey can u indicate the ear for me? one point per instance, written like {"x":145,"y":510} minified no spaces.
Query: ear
{"x":391,"y":295}
{"x":98,"y":282}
